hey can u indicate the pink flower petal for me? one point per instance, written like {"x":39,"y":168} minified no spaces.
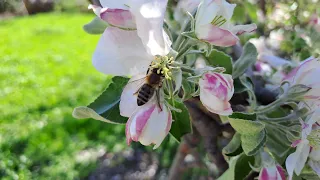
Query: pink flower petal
{"x":264,"y":174}
{"x":240,"y":29}
{"x":217,"y":36}
{"x":281,"y":172}
{"x":295,"y":143}
{"x":115,"y":17}
{"x":119,"y":18}
{"x":141,"y":120}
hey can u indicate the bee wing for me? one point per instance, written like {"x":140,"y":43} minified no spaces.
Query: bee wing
{"x":137,"y":83}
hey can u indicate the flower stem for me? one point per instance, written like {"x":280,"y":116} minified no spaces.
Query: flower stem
{"x":180,"y":37}
{"x":271,"y":106}
{"x":184,"y":51}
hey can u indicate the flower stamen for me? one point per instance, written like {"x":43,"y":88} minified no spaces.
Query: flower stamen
{"x":218,"y":21}
{"x":163,"y":64}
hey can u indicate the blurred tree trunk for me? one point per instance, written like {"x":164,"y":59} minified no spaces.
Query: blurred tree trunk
{"x":36,"y":6}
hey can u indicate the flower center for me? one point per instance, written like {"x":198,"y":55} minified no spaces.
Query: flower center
{"x":314,"y":138}
{"x":218,"y":21}
{"x":163,"y":64}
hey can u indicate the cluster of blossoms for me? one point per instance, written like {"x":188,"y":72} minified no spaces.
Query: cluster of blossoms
{"x":134,"y":40}
{"x":138,"y":43}
{"x":308,"y":147}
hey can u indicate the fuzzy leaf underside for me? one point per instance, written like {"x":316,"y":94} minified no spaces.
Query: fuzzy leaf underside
{"x":106,"y":106}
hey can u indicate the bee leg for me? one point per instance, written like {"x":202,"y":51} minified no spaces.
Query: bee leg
{"x":158,"y":99}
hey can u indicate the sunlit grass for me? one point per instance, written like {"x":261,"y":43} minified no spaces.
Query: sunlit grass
{"x":46,"y":71}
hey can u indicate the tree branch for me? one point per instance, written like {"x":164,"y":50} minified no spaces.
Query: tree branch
{"x":188,"y":143}
{"x":210,"y":130}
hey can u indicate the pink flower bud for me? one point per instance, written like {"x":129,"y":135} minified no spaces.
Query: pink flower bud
{"x":216,"y":90}
{"x":149,"y":125}
{"x":274,"y":172}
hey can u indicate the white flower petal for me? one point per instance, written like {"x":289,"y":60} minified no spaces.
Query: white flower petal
{"x":274,"y":61}
{"x":315,"y":165}
{"x":149,"y":16}
{"x":207,"y":10}
{"x":240,"y":29}
{"x":115,"y":17}
{"x":115,"y":4}
{"x":216,"y":90}
{"x":297,"y":160}
{"x":128,"y":102}
{"x":121,"y":53}
{"x":315,"y":154}
{"x":138,"y":121}
{"x":290,"y":164}
{"x":156,"y":128}
{"x":214,"y":104}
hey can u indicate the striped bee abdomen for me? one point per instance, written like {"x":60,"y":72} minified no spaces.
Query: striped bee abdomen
{"x":145,"y":94}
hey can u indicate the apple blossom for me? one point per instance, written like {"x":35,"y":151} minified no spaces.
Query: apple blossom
{"x":149,"y":124}
{"x":121,"y":52}
{"x":146,"y":16}
{"x":273,"y":172}
{"x":216,"y":89}
{"x":307,"y":73}
{"x":213,"y":23}
{"x":309,"y":140}
{"x":183,"y":7}
{"x":115,"y":13}
{"x":314,"y":160}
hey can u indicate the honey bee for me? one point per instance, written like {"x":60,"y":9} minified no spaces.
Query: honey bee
{"x":152,"y":84}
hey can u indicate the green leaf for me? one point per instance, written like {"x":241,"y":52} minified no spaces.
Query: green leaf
{"x":192,"y":35}
{"x":247,"y":59}
{"x":234,"y":146}
{"x":253,"y":134}
{"x":106,"y":106}
{"x":224,"y":119}
{"x":181,"y":124}
{"x":238,"y":86}
{"x":247,"y":116}
{"x":220,"y":59}
{"x":188,"y":89}
{"x":246,"y":127}
{"x":239,"y":168}
{"x":177,"y":78}
{"x":96,"y":26}
{"x":277,"y":143}
{"x":251,"y":143}
{"x":297,"y":90}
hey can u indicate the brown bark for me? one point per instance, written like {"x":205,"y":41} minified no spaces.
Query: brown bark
{"x":187,"y":145}
{"x":38,"y":6}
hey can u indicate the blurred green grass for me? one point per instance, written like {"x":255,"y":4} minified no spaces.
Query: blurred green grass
{"x":45,"y":72}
